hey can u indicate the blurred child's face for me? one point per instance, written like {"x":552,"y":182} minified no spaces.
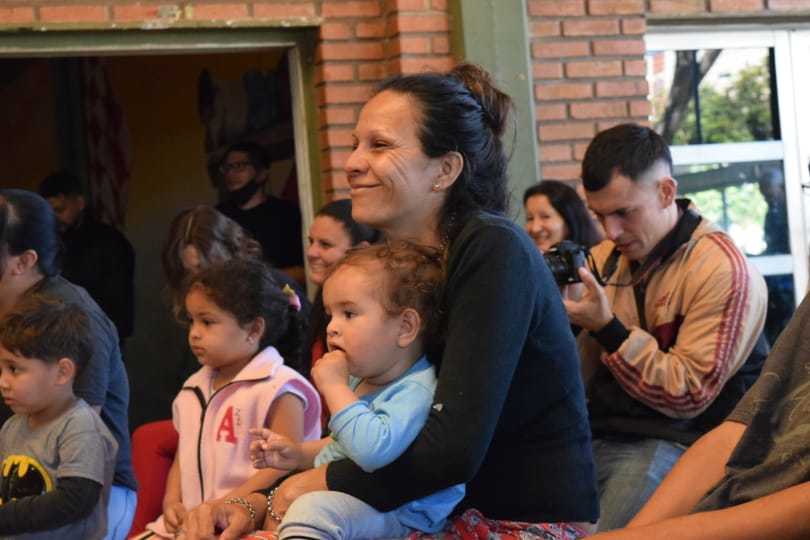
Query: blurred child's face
{"x":359,"y":324}
{"x":328,"y":243}
{"x":214,"y":335}
{"x":27,"y":384}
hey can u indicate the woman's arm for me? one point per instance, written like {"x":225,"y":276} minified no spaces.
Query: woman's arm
{"x":492,"y":289}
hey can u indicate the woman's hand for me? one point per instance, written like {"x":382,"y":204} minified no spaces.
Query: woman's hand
{"x":203,"y":522}
{"x":293,"y":487}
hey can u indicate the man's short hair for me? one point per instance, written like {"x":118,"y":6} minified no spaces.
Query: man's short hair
{"x":47,"y":329}
{"x":626,"y":149}
{"x":61,"y":183}
{"x":256,"y":154}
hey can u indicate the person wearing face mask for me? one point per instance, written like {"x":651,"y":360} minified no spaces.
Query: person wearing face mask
{"x":555,"y":212}
{"x":273,"y":222}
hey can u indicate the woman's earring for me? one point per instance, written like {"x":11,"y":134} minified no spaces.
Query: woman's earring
{"x":437,"y":186}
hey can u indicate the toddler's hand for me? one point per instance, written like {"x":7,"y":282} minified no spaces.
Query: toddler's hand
{"x":173,"y":516}
{"x":332,"y":368}
{"x":269,"y":449}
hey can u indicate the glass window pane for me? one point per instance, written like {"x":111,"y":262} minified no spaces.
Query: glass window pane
{"x":713,"y":95}
{"x":746,"y":199}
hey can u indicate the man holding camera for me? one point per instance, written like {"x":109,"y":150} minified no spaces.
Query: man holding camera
{"x":674,"y":338}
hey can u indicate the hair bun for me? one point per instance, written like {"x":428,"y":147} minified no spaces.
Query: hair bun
{"x":494,"y":103}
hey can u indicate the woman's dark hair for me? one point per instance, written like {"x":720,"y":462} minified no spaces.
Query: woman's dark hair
{"x":246,"y":289}
{"x":216,"y":237}
{"x":569,"y":205}
{"x":462,"y":111}
{"x":341,"y":211}
{"x":28,"y":222}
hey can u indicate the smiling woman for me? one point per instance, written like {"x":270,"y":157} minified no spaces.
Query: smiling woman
{"x":509,"y":417}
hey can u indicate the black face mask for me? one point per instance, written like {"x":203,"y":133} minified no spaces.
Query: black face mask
{"x":239,"y":197}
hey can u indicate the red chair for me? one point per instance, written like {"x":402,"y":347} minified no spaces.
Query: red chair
{"x":153,"y":448}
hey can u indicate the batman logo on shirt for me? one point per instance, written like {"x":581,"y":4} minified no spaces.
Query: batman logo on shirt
{"x":23,"y":476}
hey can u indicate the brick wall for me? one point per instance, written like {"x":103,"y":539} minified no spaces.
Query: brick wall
{"x":360,"y":42}
{"x":588,"y":64}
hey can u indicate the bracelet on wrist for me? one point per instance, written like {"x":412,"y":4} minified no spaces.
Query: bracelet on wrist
{"x":244,"y":503}
{"x":270,"y":511}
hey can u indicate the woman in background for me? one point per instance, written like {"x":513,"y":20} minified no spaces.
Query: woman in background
{"x":555,"y":212}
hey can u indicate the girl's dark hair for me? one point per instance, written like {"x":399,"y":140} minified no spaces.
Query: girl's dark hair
{"x":462,"y":111}
{"x":569,"y":205}
{"x":412,"y":277}
{"x":246,"y":289}
{"x":341,"y":211}
{"x":28,"y":222}
{"x":216,"y":237}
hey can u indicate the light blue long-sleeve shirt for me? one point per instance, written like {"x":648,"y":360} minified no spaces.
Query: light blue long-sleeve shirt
{"x":375,"y":430}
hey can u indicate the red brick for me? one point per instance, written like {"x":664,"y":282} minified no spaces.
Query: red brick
{"x":334,"y":136}
{"x":640,"y":108}
{"x":789,"y":5}
{"x":557,"y":111}
{"x":352,"y":51}
{"x":337,"y":72}
{"x":677,"y":7}
{"x":374,"y":29}
{"x":619,"y":47}
{"x":16,"y":15}
{"x":346,"y":93}
{"x":579,"y":150}
{"x":560,"y":49}
{"x":562,"y":91}
{"x":359,"y":8}
{"x":283,"y":11}
{"x":598,"y":109}
{"x":439,"y":5}
{"x":371,"y":72}
{"x":621,"y":88}
{"x":547,"y":70}
{"x":590,"y":27}
{"x":719,"y":6}
{"x":635,"y":68}
{"x":634,"y":26}
{"x":609,"y":68}
{"x":615,"y":7}
{"x":73,"y":13}
{"x":219,"y":11}
{"x":420,"y":65}
{"x":421,"y":23}
{"x":336,"y":30}
{"x":414,"y":45}
{"x":440,"y":44}
{"x":334,"y":159}
{"x":545,"y":28}
{"x":556,"y":8}
{"x":561,"y":172}
{"x":338,"y":184}
{"x":410,"y":5}
{"x":607,"y":124}
{"x":555,"y":152}
{"x":338,"y":115}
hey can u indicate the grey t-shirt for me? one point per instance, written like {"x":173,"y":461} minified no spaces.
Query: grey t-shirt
{"x":77,"y":444}
{"x":774,"y":451}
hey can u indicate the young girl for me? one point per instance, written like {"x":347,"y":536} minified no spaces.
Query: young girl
{"x":378,"y":385}
{"x":240,"y":320}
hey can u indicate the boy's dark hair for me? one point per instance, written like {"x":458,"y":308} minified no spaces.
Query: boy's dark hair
{"x":47,"y":329}
{"x":626,"y":149}
{"x":412,"y":277}
{"x":61,"y":183}
{"x":246,"y":289}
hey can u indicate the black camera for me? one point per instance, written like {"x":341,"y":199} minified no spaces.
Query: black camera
{"x":564,"y":260}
